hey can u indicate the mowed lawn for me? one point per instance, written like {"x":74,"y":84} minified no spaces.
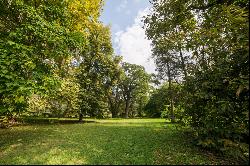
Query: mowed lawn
{"x":114,"y":141}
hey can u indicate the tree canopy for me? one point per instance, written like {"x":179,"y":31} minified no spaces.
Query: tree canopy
{"x":204,"y":45}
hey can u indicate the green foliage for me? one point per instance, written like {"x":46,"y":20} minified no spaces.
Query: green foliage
{"x":3,"y":122}
{"x":165,"y":114}
{"x":62,"y":103}
{"x":97,"y":73}
{"x":44,"y":45}
{"x":56,"y":60}
{"x":35,"y":40}
{"x":205,"y":46}
{"x":135,"y":87}
{"x":159,"y":102}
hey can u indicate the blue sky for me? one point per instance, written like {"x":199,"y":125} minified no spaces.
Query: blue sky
{"x":128,"y":37}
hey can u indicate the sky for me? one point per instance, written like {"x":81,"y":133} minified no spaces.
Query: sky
{"x":128,"y":36}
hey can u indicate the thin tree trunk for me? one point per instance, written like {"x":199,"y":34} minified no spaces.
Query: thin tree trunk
{"x":111,"y":107}
{"x":117,"y":106}
{"x":183,"y":64}
{"x":171,"y":101}
{"x":205,"y":62}
{"x":171,"y":93}
{"x":80,"y":117}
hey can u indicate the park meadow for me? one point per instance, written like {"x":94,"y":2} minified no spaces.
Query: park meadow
{"x":73,"y":89}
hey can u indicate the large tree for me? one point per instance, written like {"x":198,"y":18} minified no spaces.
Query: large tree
{"x":169,"y":32}
{"x":134,"y":81}
{"x":207,"y":41}
{"x":34,"y":39}
{"x":98,"y":71}
{"x":42,"y":43}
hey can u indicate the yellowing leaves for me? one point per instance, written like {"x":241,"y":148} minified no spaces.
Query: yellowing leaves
{"x":84,"y":13}
{"x":19,"y":99}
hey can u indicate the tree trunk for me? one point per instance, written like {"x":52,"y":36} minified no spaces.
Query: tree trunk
{"x":80,"y":117}
{"x":205,"y":61}
{"x":183,"y":64}
{"x":171,"y":101}
{"x":172,"y":110}
{"x":126,"y":109}
{"x":113,"y":107}
{"x":171,"y":93}
{"x":114,"y":114}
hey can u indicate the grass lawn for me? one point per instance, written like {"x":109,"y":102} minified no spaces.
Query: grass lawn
{"x":114,"y":141}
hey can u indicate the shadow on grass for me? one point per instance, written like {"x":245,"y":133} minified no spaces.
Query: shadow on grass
{"x":45,"y":121}
{"x":81,"y":144}
{"x":41,"y":121}
{"x":97,"y":144}
{"x":75,"y":121}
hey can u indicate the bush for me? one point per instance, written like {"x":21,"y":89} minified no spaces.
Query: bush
{"x":3,"y":122}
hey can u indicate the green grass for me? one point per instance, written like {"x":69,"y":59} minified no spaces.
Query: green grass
{"x":114,"y":141}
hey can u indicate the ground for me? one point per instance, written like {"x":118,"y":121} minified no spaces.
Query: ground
{"x":115,"y":141}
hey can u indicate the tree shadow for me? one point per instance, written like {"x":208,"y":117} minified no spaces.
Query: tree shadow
{"x":114,"y":143}
{"x":49,"y":121}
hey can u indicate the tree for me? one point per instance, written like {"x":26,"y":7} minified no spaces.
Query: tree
{"x":169,"y":29}
{"x":215,"y":36}
{"x":160,"y":100}
{"x":41,"y":42}
{"x":34,"y":39}
{"x":135,"y":80}
{"x":112,"y":88}
{"x":96,"y":69}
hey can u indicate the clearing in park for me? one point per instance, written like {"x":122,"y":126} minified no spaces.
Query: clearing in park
{"x":112,"y":141}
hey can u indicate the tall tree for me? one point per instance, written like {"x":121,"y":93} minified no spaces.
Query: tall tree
{"x":96,"y":67}
{"x":41,"y":42}
{"x":134,"y":79}
{"x":168,"y":29}
{"x":215,"y":36}
{"x":34,"y":39}
{"x":112,"y":88}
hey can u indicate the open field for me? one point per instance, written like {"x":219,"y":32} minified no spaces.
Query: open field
{"x":114,"y":141}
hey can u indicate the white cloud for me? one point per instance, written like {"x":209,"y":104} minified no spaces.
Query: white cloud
{"x":133,"y":45}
